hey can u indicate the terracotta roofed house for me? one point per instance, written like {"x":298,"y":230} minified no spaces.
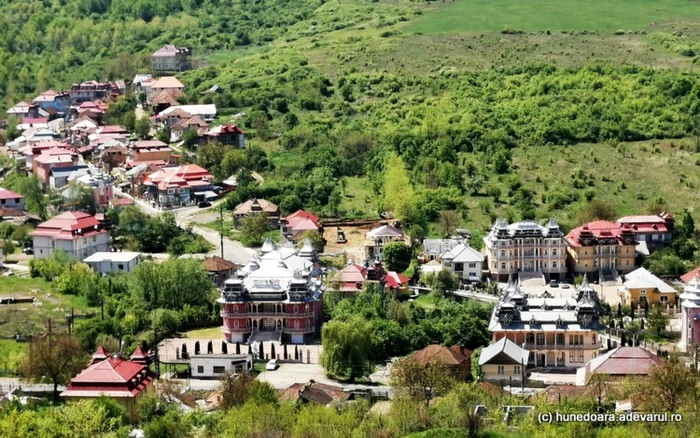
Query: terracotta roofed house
{"x":177,"y":185}
{"x":294,"y":225}
{"x":124,"y":381}
{"x":350,"y":278}
{"x":219,"y":269}
{"x":458,"y":359}
{"x":76,"y":233}
{"x":150,"y":150}
{"x":167,"y":83}
{"x":256,"y":206}
{"x":618,"y":362}
{"x":655,"y":231}
{"x":228,"y":135}
{"x":313,"y":392}
{"x":602,"y":247}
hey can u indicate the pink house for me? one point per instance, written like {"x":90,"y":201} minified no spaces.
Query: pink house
{"x":51,"y":159}
{"x":690,"y":311}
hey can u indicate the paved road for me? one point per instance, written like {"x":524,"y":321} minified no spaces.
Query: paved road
{"x":233,"y":251}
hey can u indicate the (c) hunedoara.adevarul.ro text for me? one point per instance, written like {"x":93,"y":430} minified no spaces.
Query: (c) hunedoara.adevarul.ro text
{"x":589,"y":417}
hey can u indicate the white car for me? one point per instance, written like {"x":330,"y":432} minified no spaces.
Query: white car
{"x":271,"y":365}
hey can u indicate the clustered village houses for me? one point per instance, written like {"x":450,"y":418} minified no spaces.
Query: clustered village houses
{"x":277,"y":296}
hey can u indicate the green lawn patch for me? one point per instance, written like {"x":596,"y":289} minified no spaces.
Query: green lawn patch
{"x":206,"y":333}
{"x":11,"y":353}
{"x":426,"y":301}
{"x":555,"y":15}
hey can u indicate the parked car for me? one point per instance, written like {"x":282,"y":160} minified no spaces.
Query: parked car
{"x":564,"y":286}
{"x":553,"y":283}
{"x":28,"y":251}
{"x":271,"y":365}
{"x":204,"y":204}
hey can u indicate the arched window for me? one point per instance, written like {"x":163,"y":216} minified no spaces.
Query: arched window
{"x":503,"y":253}
{"x":296,"y":308}
{"x":554,"y":252}
{"x":235,"y":324}
{"x":308,"y":323}
{"x":247,"y":323}
{"x":296,"y":324}
{"x":307,"y":308}
{"x":554,"y":264}
{"x":235,"y":308}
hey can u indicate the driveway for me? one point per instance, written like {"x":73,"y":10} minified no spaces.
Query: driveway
{"x":552,"y":378}
{"x":185,"y":216}
{"x":290,"y":373}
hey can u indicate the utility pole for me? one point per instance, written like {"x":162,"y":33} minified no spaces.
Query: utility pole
{"x":221,"y":229}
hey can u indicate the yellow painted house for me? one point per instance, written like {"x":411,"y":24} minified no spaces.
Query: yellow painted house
{"x":503,"y":360}
{"x":641,"y":285}
{"x":602,"y":247}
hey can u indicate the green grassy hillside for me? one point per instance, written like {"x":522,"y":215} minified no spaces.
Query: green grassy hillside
{"x":329,"y":88}
{"x":555,"y":15}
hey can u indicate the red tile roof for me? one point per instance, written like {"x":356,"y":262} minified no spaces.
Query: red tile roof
{"x":624,"y":361}
{"x":302,"y":221}
{"x":350,"y":278}
{"x":35,"y":121}
{"x":689,"y":276}
{"x":69,"y":225}
{"x":598,"y":229}
{"x":123,"y":201}
{"x":395,"y":280}
{"x":224,"y":129}
{"x":440,"y":354}
{"x":188,"y":175}
{"x":114,"y":377}
{"x":110,"y":370}
{"x":9,"y":194}
{"x":217,"y":264}
{"x":138,"y":354}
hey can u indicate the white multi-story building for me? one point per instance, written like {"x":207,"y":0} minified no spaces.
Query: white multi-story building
{"x":466,"y":262}
{"x":76,"y":233}
{"x":525,"y":247}
{"x":559,"y":333}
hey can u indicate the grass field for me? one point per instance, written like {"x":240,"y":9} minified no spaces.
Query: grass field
{"x":207,"y":333}
{"x":10,"y":353}
{"x":29,"y":319}
{"x":555,"y":15}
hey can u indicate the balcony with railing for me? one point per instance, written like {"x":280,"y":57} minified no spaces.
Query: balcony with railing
{"x":301,"y":330}
{"x":264,"y":314}
{"x":535,"y":346}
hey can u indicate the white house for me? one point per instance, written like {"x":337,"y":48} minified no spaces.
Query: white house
{"x":464,"y":261}
{"x":381,"y":236}
{"x":76,"y":233}
{"x":108,"y":262}
{"x":214,"y":365}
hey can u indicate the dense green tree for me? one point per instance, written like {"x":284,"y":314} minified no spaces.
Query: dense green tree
{"x":142,"y":127}
{"x":347,"y":348}
{"x":397,"y":256}
{"x":253,"y":228}
{"x":55,"y":358}
{"x":421,"y":381}
{"x":171,"y":284}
